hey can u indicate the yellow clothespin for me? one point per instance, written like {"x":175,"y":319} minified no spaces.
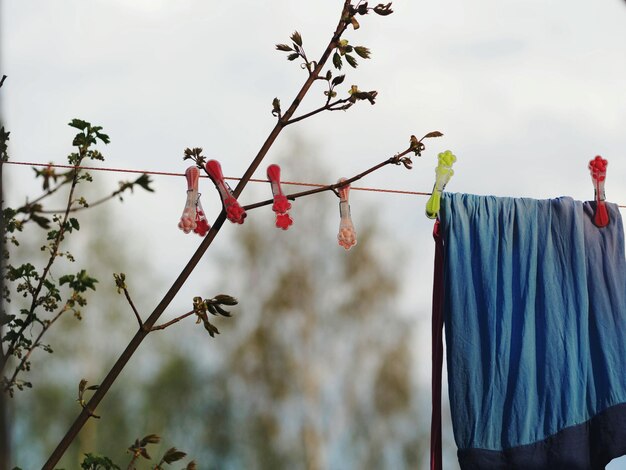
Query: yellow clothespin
{"x":443,"y":174}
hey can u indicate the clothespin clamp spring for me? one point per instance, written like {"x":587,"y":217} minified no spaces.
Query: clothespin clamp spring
{"x":281,"y":205}
{"x":443,"y":174}
{"x":347,"y":233}
{"x":597,"y":167}
{"x":234,"y":212}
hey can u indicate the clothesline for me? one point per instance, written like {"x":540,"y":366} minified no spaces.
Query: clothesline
{"x":254,"y":180}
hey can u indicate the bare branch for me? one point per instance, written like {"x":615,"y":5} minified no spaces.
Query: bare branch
{"x":170,"y":323}
{"x":396,"y":159}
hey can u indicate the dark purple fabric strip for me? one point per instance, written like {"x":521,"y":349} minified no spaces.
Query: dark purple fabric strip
{"x":587,"y":446}
{"x":437,"y":351}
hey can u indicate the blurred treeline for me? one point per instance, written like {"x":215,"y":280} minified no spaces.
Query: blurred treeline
{"x":314,"y":370}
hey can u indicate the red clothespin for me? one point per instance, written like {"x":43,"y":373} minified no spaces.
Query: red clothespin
{"x":281,"y":204}
{"x":202,"y":224}
{"x":347,"y":233}
{"x":193,"y":217}
{"x":597,"y":166}
{"x":234,"y":212}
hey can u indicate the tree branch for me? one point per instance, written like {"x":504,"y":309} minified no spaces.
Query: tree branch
{"x":132,"y":305}
{"x":36,"y":343}
{"x":44,"y":275}
{"x":327,"y":106}
{"x":204,"y":245}
{"x":170,"y":323}
{"x":396,"y":159}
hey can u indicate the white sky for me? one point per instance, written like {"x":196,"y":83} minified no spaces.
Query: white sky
{"x":525,"y":91}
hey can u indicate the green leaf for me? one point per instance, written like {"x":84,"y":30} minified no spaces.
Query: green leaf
{"x":40,"y":220}
{"x":297,"y":38}
{"x":337,"y":61}
{"x":74,"y":223}
{"x":363,"y":52}
{"x":276,"y":111}
{"x":5,"y":319}
{"x":150,"y":439}
{"x":352,"y":61}
{"x":79,"y":124}
{"x":293,"y":56}
{"x":103,"y":137}
{"x":338,"y":80}
{"x":173,"y":455}
{"x":383,"y":10}
{"x":284,"y":47}
{"x":225,"y":299}
{"x":432,"y":134}
{"x":95,"y":462}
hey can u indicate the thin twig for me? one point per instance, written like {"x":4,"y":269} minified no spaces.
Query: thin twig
{"x":44,"y":275}
{"x":35,"y":344}
{"x":170,"y":323}
{"x":4,"y":77}
{"x":327,"y":106}
{"x":132,"y":305}
{"x":333,"y":187}
{"x":88,"y":206}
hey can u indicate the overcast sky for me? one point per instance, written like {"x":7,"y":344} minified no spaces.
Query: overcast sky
{"x":525,"y":91}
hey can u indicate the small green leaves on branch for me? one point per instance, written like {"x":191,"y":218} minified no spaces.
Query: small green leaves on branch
{"x":201,"y":308}
{"x":344,"y":50}
{"x":139,"y":448}
{"x":120,"y":282}
{"x":416,"y":147}
{"x":88,"y":136}
{"x":276,"y":111}
{"x":4,"y":138}
{"x":296,"y":50}
{"x":356,"y":95}
{"x":82,"y":388}
{"x":195,"y":155}
{"x":171,"y":455}
{"x":97,"y":462}
{"x":213,"y":306}
{"x":362,"y":8}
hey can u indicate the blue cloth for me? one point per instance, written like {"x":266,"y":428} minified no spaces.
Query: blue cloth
{"x":535,"y":320}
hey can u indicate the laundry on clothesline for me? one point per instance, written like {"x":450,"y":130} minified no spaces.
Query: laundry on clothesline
{"x":227,"y":178}
{"x":533,"y":299}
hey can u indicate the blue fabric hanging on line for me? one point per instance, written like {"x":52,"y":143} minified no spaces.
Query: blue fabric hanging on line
{"x":535,"y":324}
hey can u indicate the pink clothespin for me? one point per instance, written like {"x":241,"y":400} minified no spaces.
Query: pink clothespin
{"x":193,"y":217}
{"x":234,"y":212}
{"x":347,"y":234}
{"x":281,"y":204}
{"x":597,"y":166}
